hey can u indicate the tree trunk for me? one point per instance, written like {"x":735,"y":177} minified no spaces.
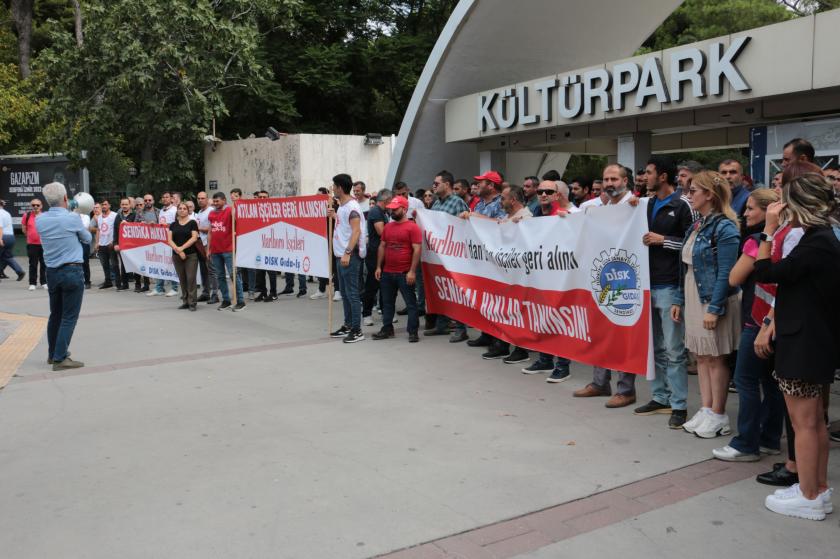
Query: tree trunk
{"x":22,"y":16}
{"x":77,"y":16}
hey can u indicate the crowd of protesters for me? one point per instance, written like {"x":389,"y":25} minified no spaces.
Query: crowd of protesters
{"x":741,"y":282}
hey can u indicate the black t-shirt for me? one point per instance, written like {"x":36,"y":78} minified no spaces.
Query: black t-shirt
{"x":182,"y":233}
{"x":375,"y":215}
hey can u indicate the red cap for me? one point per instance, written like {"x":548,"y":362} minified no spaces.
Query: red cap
{"x":397,"y":202}
{"x":491,"y":176}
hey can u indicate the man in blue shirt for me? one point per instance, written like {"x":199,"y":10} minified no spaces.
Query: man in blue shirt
{"x":62,"y":235}
{"x":734,"y":174}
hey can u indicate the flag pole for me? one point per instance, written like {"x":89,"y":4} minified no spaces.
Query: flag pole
{"x":330,"y":277}
{"x":235,"y":277}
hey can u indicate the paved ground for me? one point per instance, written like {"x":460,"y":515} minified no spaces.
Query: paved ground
{"x":253,"y":435}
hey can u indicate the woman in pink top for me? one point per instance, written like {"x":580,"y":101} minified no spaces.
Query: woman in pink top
{"x":33,"y":245}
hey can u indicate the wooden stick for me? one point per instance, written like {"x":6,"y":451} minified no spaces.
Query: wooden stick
{"x":330,"y":278}
{"x":235,"y":277}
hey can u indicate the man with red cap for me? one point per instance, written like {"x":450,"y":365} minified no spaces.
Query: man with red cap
{"x":490,"y":192}
{"x":396,"y":268}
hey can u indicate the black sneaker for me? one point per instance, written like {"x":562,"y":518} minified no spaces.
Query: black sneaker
{"x":341,"y":332}
{"x":223,"y":306}
{"x":494,"y":353}
{"x":559,"y":374}
{"x":301,"y":293}
{"x":732,"y":388}
{"x":214,"y":300}
{"x":538,"y":367}
{"x":203,"y":298}
{"x":239,"y":306}
{"x":384,"y":334}
{"x":353,"y":337}
{"x":21,"y":275}
{"x":402,"y":312}
{"x":287,"y":291}
{"x":413,"y":337}
{"x":834,"y":436}
{"x":106,"y":285}
{"x":482,"y":341}
{"x":678,"y":417}
{"x":183,"y":307}
{"x":651,"y":408}
{"x":270,"y":298}
{"x":88,"y":285}
{"x":144,"y":289}
{"x":518,"y":355}
{"x":260,"y":298}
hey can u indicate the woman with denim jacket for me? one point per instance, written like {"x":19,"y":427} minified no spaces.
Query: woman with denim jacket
{"x":712,"y":307}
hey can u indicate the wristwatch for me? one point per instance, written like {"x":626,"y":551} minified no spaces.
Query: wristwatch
{"x":767,"y":321}
{"x":765,"y":238}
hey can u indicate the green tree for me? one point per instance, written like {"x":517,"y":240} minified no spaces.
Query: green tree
{"x":150,"y":77}
{"x":697,"y":20}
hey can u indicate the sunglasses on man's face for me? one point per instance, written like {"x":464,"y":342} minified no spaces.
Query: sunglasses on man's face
{"x":542,"y":191}
{"x":36,"y":205}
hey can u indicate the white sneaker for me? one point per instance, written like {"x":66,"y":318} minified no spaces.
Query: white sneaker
{"x":154,"y":293}
{"x":788,"y":492}
{"x":45,"y":286}
{"x":713,"y":427}
{"x":729,"y":454}
{"x":171,"y":293}
{"x":32,"y":288}
{"x":337,"y":296}
{"x":318,"y":295}
{"x":769,"y":451}
{"x":695,"y":421}
{"x":793,"y":503}
{"x":395,"y":319}
{"x":368,"y":321}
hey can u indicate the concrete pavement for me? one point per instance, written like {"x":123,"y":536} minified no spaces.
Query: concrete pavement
{"x":219,"y":434}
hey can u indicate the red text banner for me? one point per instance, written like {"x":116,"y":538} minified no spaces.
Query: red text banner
{"x":283,"y":234}
{"x":145,"y":250}
{"x":575,"y":286}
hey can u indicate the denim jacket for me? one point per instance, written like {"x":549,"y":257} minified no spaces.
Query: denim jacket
{"x":714,"y":255}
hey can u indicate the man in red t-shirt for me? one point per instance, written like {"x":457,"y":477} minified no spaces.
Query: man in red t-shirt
{"x":33,"y":245}
{"x":220,"y":248}
{"x":396,"y":268}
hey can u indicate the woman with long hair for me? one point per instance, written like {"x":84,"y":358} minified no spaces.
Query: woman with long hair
{"x":183,"y":234}
{"x":428,"y":199}
{"x":759,"y":420}
{"x":712,"y":306}
{"x":807,"y":318}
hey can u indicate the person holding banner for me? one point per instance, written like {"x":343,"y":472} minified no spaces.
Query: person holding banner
{"x":712,"y":306}
{"x":220,"y":241}
{"x":616,"y":192}
{"x":183,"y":234}
{"x":350,"y":245}
{"x":447,"y":202}
{"x":398,"y":256}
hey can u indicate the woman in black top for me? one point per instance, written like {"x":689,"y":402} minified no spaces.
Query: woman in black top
{"x":807,"y":316}
{"x":183,"y":234}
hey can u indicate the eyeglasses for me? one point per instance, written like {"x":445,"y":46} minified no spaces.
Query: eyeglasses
{"x":36,"y":205}
{"x":542,"y":191}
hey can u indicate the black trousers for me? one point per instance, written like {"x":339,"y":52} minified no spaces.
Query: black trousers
{"x":36,"y":262}
{"x":86,"y":265}
{"x":110,"y":264}
{"x":271,"y":288}
{"x":371,"y":283}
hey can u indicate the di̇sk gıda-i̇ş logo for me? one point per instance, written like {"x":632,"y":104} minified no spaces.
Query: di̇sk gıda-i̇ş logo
{"x":616,"y":286}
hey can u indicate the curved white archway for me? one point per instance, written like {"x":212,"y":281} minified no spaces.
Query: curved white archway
{"x":487,"y":43}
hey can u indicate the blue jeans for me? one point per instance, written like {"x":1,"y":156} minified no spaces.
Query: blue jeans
{"x":348,"y":278}
{"x":670,"y":386}
{"x":759,"y":421}
{"x":388,"y":286}
{"x":554,"y":361}
{"x":626,"y":381}
{"x":160,"y":286}
{"x":66,"y":286}
{"x":290,"y":281}
{"x":421,"y":293}
{"x":222,"y":261}
{"x":6,"y":256}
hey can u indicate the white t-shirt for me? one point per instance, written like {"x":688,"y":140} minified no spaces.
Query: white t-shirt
{"x":6,"y":222}
{"x":343,"y":230}
{"x":414,"y":204}
{"x":106,"y":228}
{"x":203,"y":219}
{"x":168,"y":215}
{"x":593,"y":203}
